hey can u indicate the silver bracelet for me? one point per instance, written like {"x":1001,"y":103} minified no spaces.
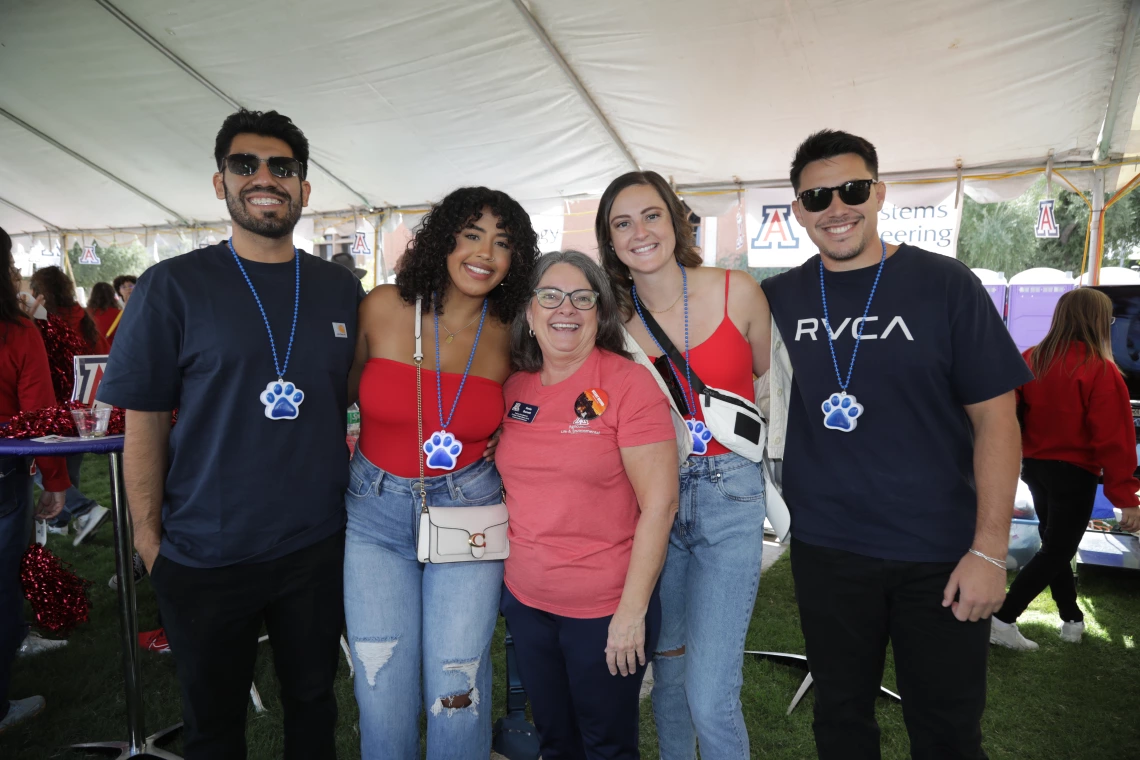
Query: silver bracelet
{"x":991,"y":560}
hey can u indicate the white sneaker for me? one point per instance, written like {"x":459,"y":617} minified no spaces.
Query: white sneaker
{"x":36,"y":644}
{"x":1007,"y":635}
{"x":20,"y":710}
{"x":1072,"y":632}
{"x":86,"y":524}
{"x":139,"y":572}
{"x":57,"y":530}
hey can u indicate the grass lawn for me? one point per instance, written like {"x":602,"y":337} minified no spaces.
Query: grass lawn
{"x":1063,"y":702}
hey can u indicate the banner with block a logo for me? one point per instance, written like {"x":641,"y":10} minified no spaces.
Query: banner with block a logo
{"x":88,"y":374}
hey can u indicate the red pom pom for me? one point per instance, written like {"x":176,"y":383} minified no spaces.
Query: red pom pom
{"x":63,"y":344}
{"x":58,"y":596}
{"x":56,"y":420}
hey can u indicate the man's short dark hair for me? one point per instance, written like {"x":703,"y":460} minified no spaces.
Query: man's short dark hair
{"x":829,"y":143}
{"x":265,"y":124}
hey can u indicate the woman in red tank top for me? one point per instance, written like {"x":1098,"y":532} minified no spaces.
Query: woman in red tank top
{"x":469,"y":265}
{"x":712,"y":571}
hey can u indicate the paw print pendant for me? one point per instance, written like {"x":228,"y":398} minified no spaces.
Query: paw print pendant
{"x":282,"y":400}
{"x":442,"y":450}
{"x":841,"y":412}
{"x":701,"y":436}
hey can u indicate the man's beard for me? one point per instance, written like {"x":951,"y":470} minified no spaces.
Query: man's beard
{"x":279,"y":225}
{"x":844,"y":255}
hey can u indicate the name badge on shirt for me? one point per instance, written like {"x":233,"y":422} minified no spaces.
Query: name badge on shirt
{"x":339,"y":330}
{"x":523,"y":412}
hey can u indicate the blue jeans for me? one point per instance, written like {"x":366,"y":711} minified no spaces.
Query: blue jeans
{"x":76,"y":502}
{"x":708,"y":588}
{"x":15,"y":535}
{"x":405,"y":617}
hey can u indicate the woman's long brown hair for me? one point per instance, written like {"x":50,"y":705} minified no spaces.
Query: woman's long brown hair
{"x":685,"y":251}
{"x":1082,"y":316}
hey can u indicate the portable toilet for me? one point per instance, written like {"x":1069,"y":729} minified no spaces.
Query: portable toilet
{"x":995,"y":285}
{"x":1112,"y":276}
{"x":1033,"y":295}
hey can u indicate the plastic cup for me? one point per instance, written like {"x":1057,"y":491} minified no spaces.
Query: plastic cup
{"x":91,"y":423}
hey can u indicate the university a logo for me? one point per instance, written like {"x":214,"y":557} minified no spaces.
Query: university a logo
{"x":360,"y":245}
{"x":1046,"y":220}
{"x":88,"y":256}
{"x":775,"y":229}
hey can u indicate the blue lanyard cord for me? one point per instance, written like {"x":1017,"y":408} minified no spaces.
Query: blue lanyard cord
{"x":862,"y":323}
{"x":690,"y":397}
{"x":296,"y":306}
{"x":439,"y":375}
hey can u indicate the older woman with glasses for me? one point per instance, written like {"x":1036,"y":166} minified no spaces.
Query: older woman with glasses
{"x":588,"y":458}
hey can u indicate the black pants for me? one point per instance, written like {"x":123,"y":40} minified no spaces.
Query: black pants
{"x":1063,"y":495}
{"x":213,"y":618}
{"x":15,"y":535}
{"x":580,"y":710}
{"x":850,"y":606}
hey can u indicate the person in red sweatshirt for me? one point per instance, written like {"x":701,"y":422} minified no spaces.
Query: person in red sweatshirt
{"x":103,"y":310}
{"x":25,"y":384}
{"x":58,"y":294}
{"x":1076,"y":424}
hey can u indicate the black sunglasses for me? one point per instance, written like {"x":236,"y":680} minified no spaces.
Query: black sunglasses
{"x":247,"y":164}
{"x":853,"y":192}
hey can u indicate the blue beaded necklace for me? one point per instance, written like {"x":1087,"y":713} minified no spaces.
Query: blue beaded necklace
{"x":282,"y":400}
{"x":443,"y":448}
{"x":699,"y":443}
{"x":841,"y":411}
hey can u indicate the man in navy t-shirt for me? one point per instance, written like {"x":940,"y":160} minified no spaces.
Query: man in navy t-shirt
{"x":238,"y":510}
{"x":900,"y":463}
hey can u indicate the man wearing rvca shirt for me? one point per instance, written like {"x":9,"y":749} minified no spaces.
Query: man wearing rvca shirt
{"x":900,"y":464}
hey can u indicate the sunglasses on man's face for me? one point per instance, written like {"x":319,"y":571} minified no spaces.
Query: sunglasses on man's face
{"x":247,"y":164}
{"x":853,"y":193}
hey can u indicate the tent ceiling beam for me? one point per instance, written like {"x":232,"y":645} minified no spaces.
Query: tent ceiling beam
{"x":189,"y":70}
{"x":91,"y":164}
{"x":1123,"y":62}
{"x":24,"y":211}
{"x":583,"y":93}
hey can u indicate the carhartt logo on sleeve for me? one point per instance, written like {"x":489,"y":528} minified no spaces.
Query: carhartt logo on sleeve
{"x":339,"y":330}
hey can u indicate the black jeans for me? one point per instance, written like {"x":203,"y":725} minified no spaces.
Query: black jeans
{"x":213,"y":618}
{"x":1063,"y":495}
{"x":850,"y":606}
{"x":580,"y":710}
{"x":15,"y":535}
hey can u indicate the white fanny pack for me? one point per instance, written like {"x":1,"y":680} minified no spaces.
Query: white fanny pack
{"x":734,"y":421}
{"x":454,"y":534}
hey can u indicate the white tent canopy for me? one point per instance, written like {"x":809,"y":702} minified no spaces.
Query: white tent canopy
{"x":544,"y":99}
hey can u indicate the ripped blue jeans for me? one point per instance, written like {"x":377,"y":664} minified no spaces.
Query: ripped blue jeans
{"x":409,"y":622}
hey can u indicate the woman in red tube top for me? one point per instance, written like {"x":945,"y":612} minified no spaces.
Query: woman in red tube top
{"x":468,"y":265}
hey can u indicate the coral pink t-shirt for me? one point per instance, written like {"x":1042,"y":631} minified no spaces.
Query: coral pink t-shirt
{"x":573,"y":511}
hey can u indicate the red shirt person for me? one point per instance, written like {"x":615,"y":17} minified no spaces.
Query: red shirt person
{"x":103,"y":310}
{"x":1076,"y":425}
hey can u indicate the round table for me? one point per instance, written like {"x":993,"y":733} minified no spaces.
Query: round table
{"x":138,"y":744}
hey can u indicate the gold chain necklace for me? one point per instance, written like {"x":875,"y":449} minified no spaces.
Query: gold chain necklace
{"x":451,"y":335}
{"x":662,"y":311}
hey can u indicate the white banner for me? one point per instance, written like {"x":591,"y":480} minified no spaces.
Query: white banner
{"x":549,"y":228}
{"x":921,"y":215}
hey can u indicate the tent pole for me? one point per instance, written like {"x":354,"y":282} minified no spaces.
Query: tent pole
{"x":1123,"y":62}
{"x":583,"y":93}
{"x":1096,"y":233}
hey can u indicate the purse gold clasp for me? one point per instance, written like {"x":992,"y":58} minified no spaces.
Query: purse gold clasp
{"x":481,"y":543}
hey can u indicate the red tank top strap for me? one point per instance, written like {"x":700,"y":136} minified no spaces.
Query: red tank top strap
{"x":726,"y":274}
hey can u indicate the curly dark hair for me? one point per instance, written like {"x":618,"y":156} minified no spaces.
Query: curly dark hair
{"x":59,"y":293}
{"x":121,"y":280}
{"x":422,"y":270}
{"x":102,"y":297}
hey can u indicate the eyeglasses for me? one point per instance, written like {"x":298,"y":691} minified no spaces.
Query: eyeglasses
{"x":552,"y":298}
{"x":247,"y":164}
{"x":853,"y":192}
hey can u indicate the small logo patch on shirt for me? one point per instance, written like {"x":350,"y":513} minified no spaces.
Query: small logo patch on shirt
{"x":339,"y":330}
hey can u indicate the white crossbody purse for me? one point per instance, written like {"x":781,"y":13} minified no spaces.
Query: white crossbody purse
{"x":454,"y":534}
